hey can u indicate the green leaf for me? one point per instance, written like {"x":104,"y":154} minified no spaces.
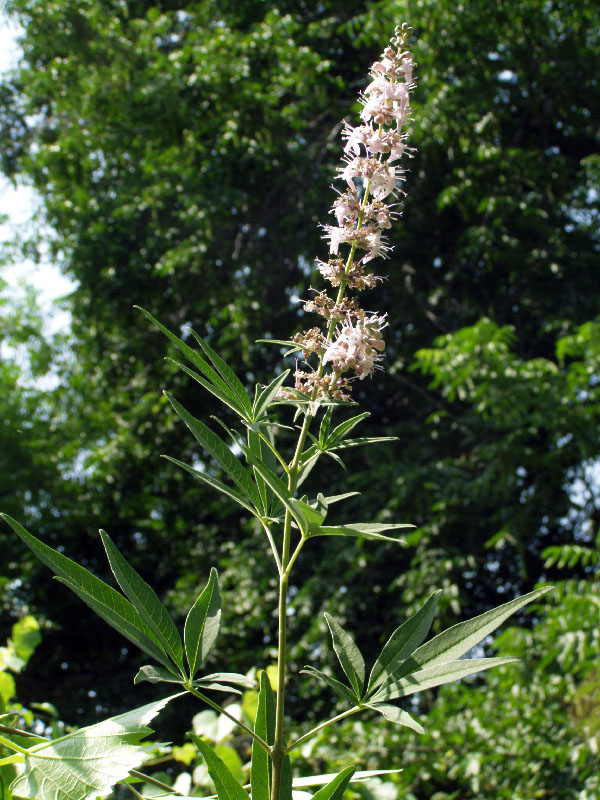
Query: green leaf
{"x":224,"y":396}
{"x":255,"y":445}
{"x":404,"y":641}
{"x":325,"y":427}
{"x":227,"y":786}
{"x":459,"y":639}
{"x":154,"y":674}
{"x":313,"y":516}
{"x":146,"y":601}
{"x":7,"y":774}
{"x":282,"y":343}
{"x":228,"y":375}
{"x":337,"y":686}
{"x":216,"y":484}
{"x":445,"y":672}
{"x":348,"y":655}
{"x":367,"y":530}
{"x":264,"y":726}
{"x":280,"y":490}
{"x":215,"y":384}
{"x":228,"y":677}
{"x":363,"y":775}
{"x":335,"y":498}
{"x":336,"y":788}
{"x":25,"y":637}
{"x":8,"y":690}
{"x":264,"y":398}
{"x":338,"y":433}
{"x":88,"y":762}
{"x":364,"y":440}
{"x":102,"y":598}
{"x":217,"y":448}
{"x":397,"y":715}
{"x":202,"y":623}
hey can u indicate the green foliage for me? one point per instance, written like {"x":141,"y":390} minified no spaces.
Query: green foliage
{"x":202,"y":624}
{"x":180,"y":150}
{"x":89,"y":761}
{"x":179,"y":164}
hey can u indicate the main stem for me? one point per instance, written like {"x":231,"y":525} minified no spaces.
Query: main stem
{"x":278,"y":752}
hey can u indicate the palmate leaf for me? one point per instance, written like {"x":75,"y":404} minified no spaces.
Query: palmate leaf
{"x":225,"y":371}
{"x":265,"y":396}
{"x":437,"y":675}
{"x":87,"y":763}
{"x":217,"y":448}
{"x":145,"y":601}
{"x":278,"y":488}
{"x":216,"y":682}
{"x":102,"y":598}
{"x":212,"y":381}
{"x":225,"y":397}
{"x":455,"y":642}
{"x":344,"y":428}
{"x":404,"y":641}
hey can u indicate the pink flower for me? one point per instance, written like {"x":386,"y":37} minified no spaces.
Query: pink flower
{"x":357,"y":347}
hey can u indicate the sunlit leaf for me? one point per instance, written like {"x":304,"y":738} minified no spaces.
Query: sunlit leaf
{"x":445,"y":672}
{"x":102,"y":598}
{"x":336,"y":787}
{"x":225,"y":371}
{"x":217,"y":448}
{"x":228,"y":788}
{"x":202,"y":623}
{"x":397,"y":716}
{"x":405,"y":639}
{"x":145,"y":601}
{"x":348,"y":655}
{"x":88,"y":762}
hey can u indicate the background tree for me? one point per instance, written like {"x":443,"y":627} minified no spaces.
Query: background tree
{"x":183,"y":152}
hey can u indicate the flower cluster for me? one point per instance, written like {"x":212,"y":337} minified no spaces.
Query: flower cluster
{"x":353,"y":342}
{"x":357,"y":346}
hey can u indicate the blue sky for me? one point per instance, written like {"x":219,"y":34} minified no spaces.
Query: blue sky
{"x":19,"y":203}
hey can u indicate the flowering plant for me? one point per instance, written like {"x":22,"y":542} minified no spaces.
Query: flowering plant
{"x":265,"y":481}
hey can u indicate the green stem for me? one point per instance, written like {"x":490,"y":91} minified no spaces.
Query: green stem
{"x":279,"y":750}
{"x":153,"y":781}
{"x":220,"y":710}
{"x":295,"y":555}
{"x":320,"y":727}
{"x":273,"y":547}
{"x":13,"y":746}
{"x":17,"y":732}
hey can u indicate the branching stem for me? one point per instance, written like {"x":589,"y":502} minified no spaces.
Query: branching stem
{"x":220,"y":710}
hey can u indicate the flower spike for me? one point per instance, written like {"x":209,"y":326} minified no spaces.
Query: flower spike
{"x":353,"y":342}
